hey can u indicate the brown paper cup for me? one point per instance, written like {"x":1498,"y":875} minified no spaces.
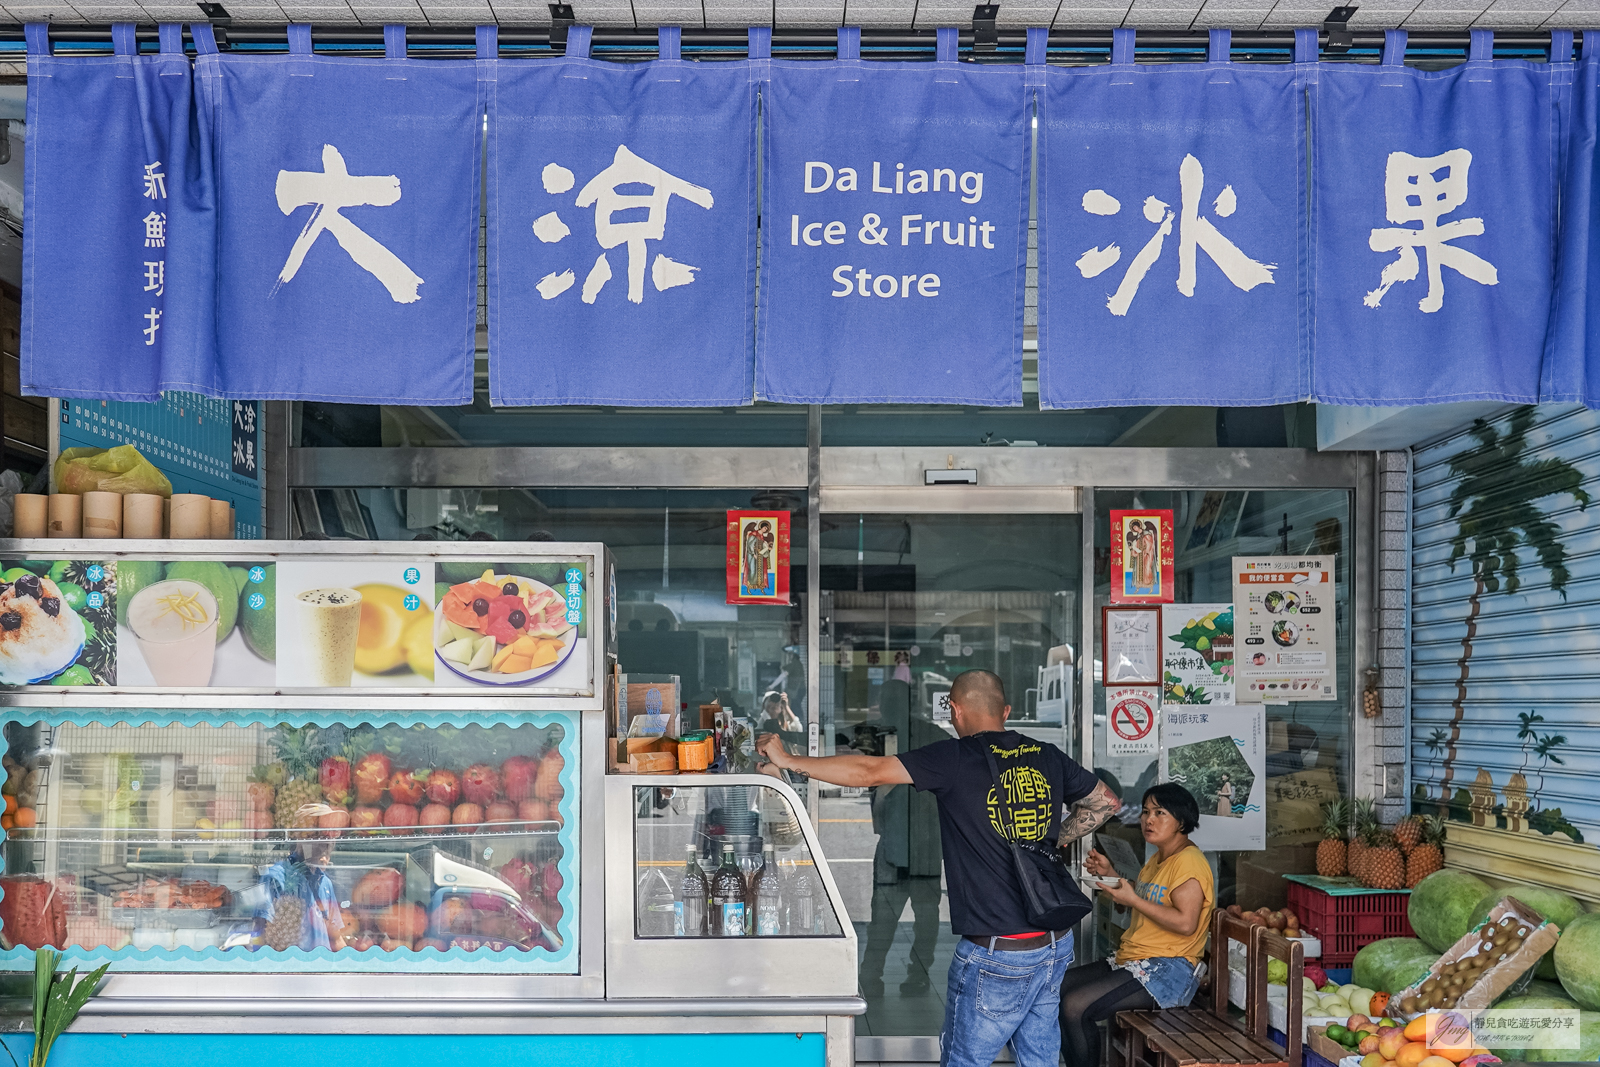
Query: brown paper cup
{"x":142,"y":514}
{"x":32,"y":515}
{"x":102,"y":514}
{"x":221,"y":521}
{"x":66,"y":515}
{"x":191,"y":516}
{"x":166,"y":517}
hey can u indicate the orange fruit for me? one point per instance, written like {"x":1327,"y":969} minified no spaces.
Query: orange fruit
{"x":1436,"y":1061}
{"x":1417,"y":1028}
{"x":6,"y":822}
{"x":11,"y":804}
{"x":25,"y":818}
{"x":1411,"y":1054}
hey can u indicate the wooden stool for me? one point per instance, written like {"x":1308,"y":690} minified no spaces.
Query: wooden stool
{"x":1202,"y":1037}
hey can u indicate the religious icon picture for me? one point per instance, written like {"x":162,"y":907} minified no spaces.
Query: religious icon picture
{"x":758,"y":557}
{"x":1141,"y":557}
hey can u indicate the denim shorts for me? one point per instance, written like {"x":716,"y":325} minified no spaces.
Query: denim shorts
{"x":1171,"y":981}
{"x":1000,"y":998}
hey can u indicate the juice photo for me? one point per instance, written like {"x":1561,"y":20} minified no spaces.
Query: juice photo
{"x":175,"y":625}
{"x":325,"y":625}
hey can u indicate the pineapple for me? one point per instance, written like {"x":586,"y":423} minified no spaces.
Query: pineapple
{"x":283,"y":930}
{"x":1363,"y":819}
{"x":298,"y":756}
{"x":1428,"y":856}
{"x":1331,"y":849}
{"x":1385,"y":864}
{"x":1408,"y":832}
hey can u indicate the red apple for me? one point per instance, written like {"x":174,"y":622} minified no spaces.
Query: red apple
{"x":400,"y":818}
{"x":334,"y":823}
{"x":520,"y":774}
{"x":434,"y":815}
{"x":500,"y":811}
{"x":443,"y":787}
{"x":480,"y":784}
{"x":466,"y":816}
{"x":532,"y":811}
{"x":371,"y":776}
{"x":334,"y":778}
{"x":365,"y":817}
{"x":405,"y":787}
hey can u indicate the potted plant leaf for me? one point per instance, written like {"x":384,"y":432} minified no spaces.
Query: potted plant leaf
{"x":57,"y":999}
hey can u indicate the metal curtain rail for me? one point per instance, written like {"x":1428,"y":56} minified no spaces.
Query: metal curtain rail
{"x":1429,"y":48}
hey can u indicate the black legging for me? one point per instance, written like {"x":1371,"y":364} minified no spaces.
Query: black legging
{"x":1089,"y":994}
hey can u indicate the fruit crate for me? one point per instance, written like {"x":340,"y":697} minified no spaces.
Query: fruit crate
{"x":1347,"y":916}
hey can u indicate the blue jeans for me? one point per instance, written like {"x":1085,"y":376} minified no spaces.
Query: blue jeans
{"x":1000,"y":997}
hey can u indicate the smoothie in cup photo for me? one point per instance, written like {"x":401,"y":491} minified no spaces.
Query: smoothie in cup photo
{"x":323,"y":626}
{"x":174,"y":625}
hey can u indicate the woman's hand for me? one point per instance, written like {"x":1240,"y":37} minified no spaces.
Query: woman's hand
{"x":1122,"y":893}
{"x":1098,"y":864}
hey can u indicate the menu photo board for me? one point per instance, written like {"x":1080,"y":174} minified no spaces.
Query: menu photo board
{"x":372,"y":621}
{"x":1285,"y":629}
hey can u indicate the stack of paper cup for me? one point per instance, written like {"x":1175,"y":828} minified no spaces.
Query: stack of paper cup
{"x":191,"y":516}
{"x":31,"y":515}
{"x":221,"y":520}
{"x":102,"y":514}
{"x":142,"y":514}
{"x":66,"y":515}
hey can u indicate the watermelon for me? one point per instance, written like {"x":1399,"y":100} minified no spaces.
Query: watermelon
{"x":1551,"y":904}
{"x":1588,"y":1049}
{"x":1527,"y":1001}
{"x":1392,"y":964}
{"x":1441,"y":906}
{"x":1578,"y":960}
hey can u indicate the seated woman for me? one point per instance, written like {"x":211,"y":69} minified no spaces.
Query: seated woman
{"x":1156,"y":961}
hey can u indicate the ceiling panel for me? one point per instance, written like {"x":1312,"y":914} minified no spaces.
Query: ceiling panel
{"x":254,"y":13}
{"x":1088,"y":13}
{"x":1020,"y":13}
{"x":881,"y":14}
{"x":738,"y":12}
{"x":521,"y":14}
{"x":604,"y":12}
{"x":125,"y":12}
{"x":931,"y":14}
{"x":1229,"y":16}
{"x":787,"y":13}
{"x":45,"y":13}
{"x":668,"y":13}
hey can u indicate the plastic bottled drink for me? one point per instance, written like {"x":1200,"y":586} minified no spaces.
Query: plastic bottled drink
{"x":692,"y":896}
{"x":656,"y":904}
{"x":767,"y":896}
{"x":728,"y":897}
{"x":802,"y":903}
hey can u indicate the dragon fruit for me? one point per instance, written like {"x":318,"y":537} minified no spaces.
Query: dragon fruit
{"x":519,"y":874}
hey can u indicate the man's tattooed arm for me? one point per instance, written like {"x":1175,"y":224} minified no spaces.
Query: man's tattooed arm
{"x":1088,"y":814}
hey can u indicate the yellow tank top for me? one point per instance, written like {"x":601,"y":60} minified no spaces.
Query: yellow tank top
{"x":1157,"y":879}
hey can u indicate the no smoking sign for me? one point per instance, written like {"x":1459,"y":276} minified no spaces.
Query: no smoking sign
{"x":1132,"y":716}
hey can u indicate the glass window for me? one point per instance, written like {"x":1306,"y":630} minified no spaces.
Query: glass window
{"x":363,"y":846}
{"x":725,"y":861}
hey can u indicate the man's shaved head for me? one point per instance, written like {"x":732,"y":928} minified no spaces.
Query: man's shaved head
{"x":981,"y":692}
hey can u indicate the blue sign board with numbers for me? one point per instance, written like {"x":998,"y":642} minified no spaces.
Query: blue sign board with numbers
{"x":201,"y":444}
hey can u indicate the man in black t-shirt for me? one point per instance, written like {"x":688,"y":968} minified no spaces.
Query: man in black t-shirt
{"x":1005,"y":978}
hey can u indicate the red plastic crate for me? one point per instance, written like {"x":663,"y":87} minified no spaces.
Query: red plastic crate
{"x":1347,"y":921}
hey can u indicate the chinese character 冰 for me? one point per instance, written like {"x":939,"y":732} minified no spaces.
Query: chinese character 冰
{"x":327,"y":193}
{"x":244,"y":455}
{"x":155,"y":182}
{"x":1195,"y":232}
{"x":153,"y":317}
{"x":155,"y":230}
{"x":155,"y":276}
{"x":1409,"y":178}
{"x":602,"y":194}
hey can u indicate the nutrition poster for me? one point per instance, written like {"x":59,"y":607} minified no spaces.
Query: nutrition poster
{"x":1197,"y":654}
{"x":1219,"y":756}
{"x":1284,"y":628}
{"x":297,"y":624}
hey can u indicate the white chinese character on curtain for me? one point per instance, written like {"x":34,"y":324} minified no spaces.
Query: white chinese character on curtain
{"x":1195,"y":233}
{"x":603,"y":194}
{"x":1413,"y":191}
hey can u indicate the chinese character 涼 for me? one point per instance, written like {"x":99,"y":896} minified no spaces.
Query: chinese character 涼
{"x":155,"y":182}
{"x":1195,"y":232}
{"x":602,"y":194}
{"x":1413,"y":192}
{"x":327,"y":193}
{"x":244,"y":416}
{"x":155,"y":230}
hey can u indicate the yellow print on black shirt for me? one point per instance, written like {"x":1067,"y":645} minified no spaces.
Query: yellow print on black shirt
{"x":1028,"y":804}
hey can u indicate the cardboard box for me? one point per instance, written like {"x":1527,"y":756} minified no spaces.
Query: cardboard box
{"x":646,"y":694}
{"x":1318,"y":1041}
{"x":1495,"y":980}
{"x":653,"y":763}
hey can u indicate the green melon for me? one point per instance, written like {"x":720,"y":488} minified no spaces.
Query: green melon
{"x":1527,"y":1001}
{"x":259,"y":625}
{"x":1588,"y":1050}
{"x":1578,"y":960}
{"x":132,"y":576}
{"x":1441,"y":906}
{"x":215,"y":577}
{"x":1391,"y":964}
{"x":1551,"y":904}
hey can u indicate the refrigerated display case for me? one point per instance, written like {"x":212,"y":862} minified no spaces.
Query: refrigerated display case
{"x":319,"y":789}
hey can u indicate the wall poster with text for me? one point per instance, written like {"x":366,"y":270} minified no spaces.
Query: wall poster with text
{"x":1141,"y":557}
{"x":1219,"y":755}
{"x":1197,"y":653}
{"x":758,"y":557}
{"x":1285,"y":628}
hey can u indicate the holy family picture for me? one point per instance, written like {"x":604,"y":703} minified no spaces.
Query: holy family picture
{"x":1141,"y":557}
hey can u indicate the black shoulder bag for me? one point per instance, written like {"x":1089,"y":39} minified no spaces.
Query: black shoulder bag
{"x":1049,"y":891}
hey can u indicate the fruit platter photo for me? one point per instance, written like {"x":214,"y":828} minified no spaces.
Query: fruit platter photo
{"x":509,"y":624}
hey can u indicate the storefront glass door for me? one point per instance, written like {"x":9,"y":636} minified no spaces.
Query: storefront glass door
{"x":909,"y":602}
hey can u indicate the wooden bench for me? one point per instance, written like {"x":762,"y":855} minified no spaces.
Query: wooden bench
{"x":1203,"y":1037}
